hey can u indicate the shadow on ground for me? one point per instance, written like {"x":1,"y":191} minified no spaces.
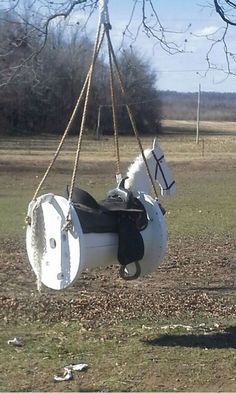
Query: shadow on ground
{"x":221,"y":340}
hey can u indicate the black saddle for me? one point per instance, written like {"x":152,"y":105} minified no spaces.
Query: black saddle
{"x":119,"y":213}
{"x":103,"y":216}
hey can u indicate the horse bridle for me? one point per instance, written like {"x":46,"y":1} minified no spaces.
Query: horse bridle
{"x":158,"y":167}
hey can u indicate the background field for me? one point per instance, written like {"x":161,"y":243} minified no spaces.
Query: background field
{"x":173,"y":330}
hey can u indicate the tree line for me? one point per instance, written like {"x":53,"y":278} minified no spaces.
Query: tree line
{"x":213,"y":106}
{"x":41,"y":97}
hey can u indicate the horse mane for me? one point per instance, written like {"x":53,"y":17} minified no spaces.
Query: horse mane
{"x":137,"y":175}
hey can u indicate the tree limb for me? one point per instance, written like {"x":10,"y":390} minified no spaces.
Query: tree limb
{"x":222,"y":12}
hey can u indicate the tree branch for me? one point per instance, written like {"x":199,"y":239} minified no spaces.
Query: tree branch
{"x":222,"y":12}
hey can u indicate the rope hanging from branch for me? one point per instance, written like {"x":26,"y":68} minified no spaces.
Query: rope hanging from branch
{"x":129,"y":111}
{"x":104,"y":28}
{"x":68,"y":127}
{"x":97,"y":46}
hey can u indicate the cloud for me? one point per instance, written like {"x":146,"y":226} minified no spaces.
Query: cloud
{"x":208,"y":30}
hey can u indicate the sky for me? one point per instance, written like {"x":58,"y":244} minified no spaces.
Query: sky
{"x":182,"y":71}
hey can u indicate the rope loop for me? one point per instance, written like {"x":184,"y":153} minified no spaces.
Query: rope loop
{"x":67,"y":226}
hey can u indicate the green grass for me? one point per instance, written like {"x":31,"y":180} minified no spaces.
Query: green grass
{"x":204,"y":202}
{"x":205,"y":188}
{"x":167,"y":360}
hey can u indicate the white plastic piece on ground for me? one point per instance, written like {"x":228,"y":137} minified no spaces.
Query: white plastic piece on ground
{"x":67,"y":376}
{"x":68,"y":373}
{"x":177,"y":326}
{"x":16,"y":342}
{"x":70,"y":252}
{"x":77,"y":367}
{"x":62,"y":260}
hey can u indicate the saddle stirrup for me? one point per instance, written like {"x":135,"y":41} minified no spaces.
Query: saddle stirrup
{"x":128,"y":277}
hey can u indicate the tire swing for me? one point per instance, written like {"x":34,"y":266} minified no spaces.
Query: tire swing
{"x":66,"y":236}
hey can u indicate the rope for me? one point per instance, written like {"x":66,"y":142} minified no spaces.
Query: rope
{"x":114,"y":113}
{"x":38,"y":241}
{"x":104,"y":14}
{"x":131,"y":116}
{"x":56,"y":154}
{"x":84,"y":116}
{"x":62,"y":139}
{"x":103,"y":20}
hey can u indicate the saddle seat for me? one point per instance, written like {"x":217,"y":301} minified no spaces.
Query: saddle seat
{"x":105,"y":216}
{"x":119,"y":213}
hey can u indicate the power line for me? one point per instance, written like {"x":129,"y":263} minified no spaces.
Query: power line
{"x":131,"y":103}
{"x":181,"y":71}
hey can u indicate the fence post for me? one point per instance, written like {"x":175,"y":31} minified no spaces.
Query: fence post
{"x":98,"y":123}
{"x":198,"y":113}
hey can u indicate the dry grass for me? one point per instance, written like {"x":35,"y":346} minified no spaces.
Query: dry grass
{"x":177,"y":147}
{"x":209,"y":127}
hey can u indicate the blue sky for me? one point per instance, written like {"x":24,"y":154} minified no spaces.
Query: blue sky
{"x":180,"y":72}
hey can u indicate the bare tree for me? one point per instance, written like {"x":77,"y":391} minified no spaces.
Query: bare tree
{"x":37,"y":17}
{"x":25,"y":27}
{"x":219,"y":39}
{"x":43,"y":93}
{"x":227,"y":11}
{"x":140,"y":82}
{"x":28,"y":26}
{"x":44,"y":58}
{"x":31,"y":20}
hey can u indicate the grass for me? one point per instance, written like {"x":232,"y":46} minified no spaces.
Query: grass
{"x":204,"y":202}
{"x":136,"y":354}
{"x":205,"y":127}
{"x":168,"y":360}
{"x":205,"y":185}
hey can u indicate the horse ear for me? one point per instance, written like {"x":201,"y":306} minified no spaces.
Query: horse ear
{"x":155,"y":143}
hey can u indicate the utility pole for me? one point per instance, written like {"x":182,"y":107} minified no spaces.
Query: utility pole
{"x":198,"y":113}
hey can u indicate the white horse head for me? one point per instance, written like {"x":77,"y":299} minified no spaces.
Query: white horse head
{"x":138,"y":179}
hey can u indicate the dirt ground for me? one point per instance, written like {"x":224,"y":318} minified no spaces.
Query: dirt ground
{"x":196,"y":278}
{"x":198,"y":275}
{"x":195,"y":285}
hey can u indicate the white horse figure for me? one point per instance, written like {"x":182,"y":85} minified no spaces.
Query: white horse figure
{"x":59,"y":253}
{"x":138,"y":179}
